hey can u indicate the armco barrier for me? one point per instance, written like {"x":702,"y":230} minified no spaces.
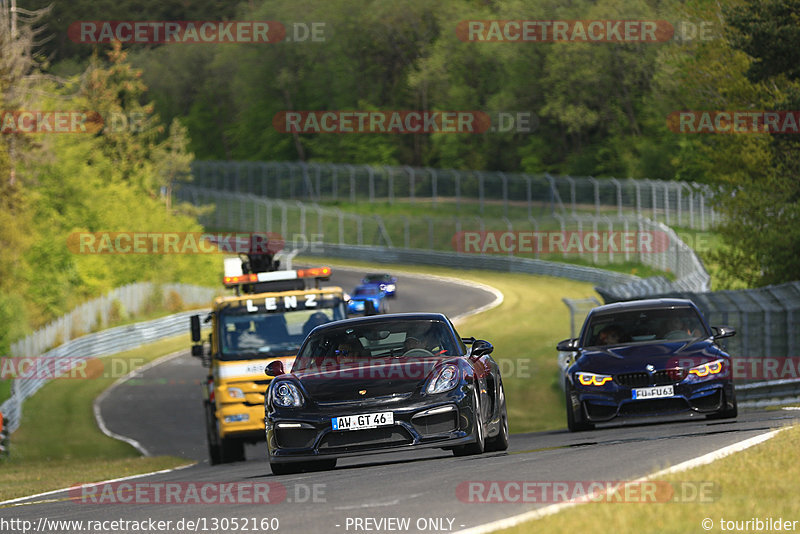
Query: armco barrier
{"x":97,"y":345}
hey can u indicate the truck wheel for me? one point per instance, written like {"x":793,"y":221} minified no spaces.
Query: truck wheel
{"x":214,"y":452}
{"x":221,"y":450}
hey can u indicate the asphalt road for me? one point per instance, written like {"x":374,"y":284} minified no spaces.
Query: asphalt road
{"x":373,"y":493}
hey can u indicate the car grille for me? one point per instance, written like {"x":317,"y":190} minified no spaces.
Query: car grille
{"x":295,"y":438}
{"x":653,"y":406}
{"x":436,"y":424}
{"x":351,"y":440}
{"x":658,"y":378}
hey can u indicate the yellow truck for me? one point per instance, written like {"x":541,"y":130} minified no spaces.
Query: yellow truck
{"x":266,"y":319}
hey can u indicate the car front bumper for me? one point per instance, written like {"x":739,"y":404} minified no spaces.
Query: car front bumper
{"x":300,"y":435}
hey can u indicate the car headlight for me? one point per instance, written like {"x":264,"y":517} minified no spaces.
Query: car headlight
{"x":445,"y":379}
{"x":287,"y":395}
{"x":592,"y":379}
{"x":706,"y":369}
{"x":235,"y":393}
{"x":390,"y":287}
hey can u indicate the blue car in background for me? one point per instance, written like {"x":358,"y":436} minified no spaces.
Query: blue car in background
{"x":647,"y":358}
{"x":368,"y":299}
{"x":386,"y":282}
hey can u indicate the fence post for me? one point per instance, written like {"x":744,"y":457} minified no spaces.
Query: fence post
{"x":390,"y":183}
{"x":458,"y":190}
{"x":371,"y":177}
{"x":504,"y":178}
{"x":596,"y":185}
{"x":480,"y":192}
{"x":619,"y":195}
{"x":411,"y":177}
{"x":434,"y":179}
{"x":529,"y":195}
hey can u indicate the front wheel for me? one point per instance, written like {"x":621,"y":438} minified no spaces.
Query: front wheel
{"x":500,"y":441}
{"x":479,"y":446}
{"x":730,"y":410}
{"x":575,"y":422}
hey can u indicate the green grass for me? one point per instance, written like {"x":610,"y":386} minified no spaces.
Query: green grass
{"x":58,"y":443}
{"x":5,"y":390}
{"x":756,"y":483}
{"x":524,"y":330}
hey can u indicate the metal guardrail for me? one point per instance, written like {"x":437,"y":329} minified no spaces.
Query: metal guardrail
{"x":97,"y":313}
{"x":97,"y":345}
{"x":674,"y":203}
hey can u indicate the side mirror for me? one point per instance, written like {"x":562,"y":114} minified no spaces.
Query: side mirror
{"x":197,"y":351}
{"x":723,"y":331}
{"x":480,"y":347}
{"x":194,"y":321}
{"x":275,"y":368}
{"x":567,"y":345}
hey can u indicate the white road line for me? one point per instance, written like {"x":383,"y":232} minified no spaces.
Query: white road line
{"x":683,"y":466}
{"x":17,"y":501}
{"x":96,"y":405}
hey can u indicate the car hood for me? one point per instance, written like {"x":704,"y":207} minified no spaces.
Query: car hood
{"x":635,"y":357}
{"x":379,"y":378}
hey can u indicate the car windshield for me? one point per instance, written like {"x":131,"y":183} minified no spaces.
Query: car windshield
{"x":245,"y":335}
{"x":377,"y":278}
{"x":636,"y":326}
{"x":353,"y":345}
{"x":366,"y":291}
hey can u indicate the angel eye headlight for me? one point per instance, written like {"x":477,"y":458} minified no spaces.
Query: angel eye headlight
{"x":287,"y":395}
{"x":592,"y":379}
{"x":706,"y":369}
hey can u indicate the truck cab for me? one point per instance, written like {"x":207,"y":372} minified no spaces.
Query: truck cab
{"x":266,"y":319}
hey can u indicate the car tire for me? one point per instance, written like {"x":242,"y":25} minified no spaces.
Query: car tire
{"x":730,"y":410}
{"x":480,"y":440}
{"x":500,"y":441}
{"x":574,"y":424}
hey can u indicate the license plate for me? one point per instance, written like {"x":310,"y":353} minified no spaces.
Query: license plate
{"x":360,"y":422}
{"x":653,"y":393}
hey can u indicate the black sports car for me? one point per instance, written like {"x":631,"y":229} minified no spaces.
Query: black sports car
{"x":644,"y":358}
{"x":384,"y":383}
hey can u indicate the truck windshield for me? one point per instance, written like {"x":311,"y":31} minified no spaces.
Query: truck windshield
{"x":260,"y":334}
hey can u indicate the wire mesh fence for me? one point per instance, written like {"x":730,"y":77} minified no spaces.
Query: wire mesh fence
{"x":306,"y":225}
{"x":679,"y":204}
